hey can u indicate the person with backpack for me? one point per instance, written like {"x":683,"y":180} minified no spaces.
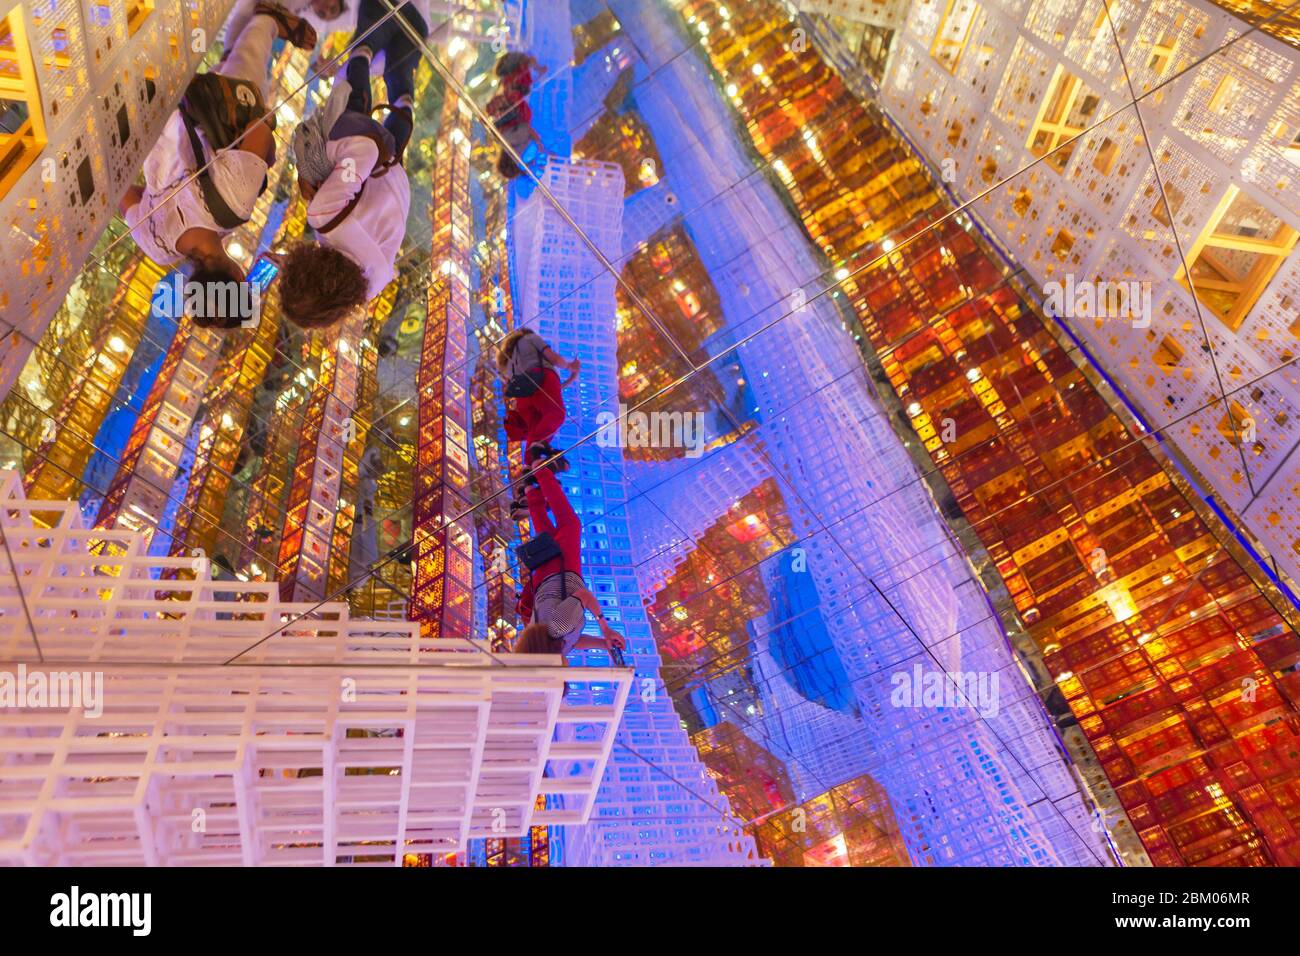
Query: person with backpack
{"x":513,"y":118}
{"x":350,"y":172}
{"x":326,"y":16}
{"x":515,"y":71}
{"x":555,"y":598}
{"x":533,"y":392}
{"x":509,"y":109}
{"x":177,"y":218}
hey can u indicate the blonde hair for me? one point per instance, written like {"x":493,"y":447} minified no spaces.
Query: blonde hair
{"x":507,"y":347}
{"x":534,"y":639}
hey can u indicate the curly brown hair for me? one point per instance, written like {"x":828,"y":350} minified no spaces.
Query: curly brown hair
{"x":535,"y":639}
{"x":319,"y":285}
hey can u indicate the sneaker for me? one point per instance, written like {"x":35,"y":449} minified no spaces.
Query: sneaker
{"x":543,"y":450}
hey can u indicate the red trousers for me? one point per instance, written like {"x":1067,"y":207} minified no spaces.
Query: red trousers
{"x":566,"y":530}
{"x":538,"y":416}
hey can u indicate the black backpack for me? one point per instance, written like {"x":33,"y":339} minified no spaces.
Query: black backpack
{"x":223,"y":107}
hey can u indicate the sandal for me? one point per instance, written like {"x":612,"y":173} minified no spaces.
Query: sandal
{"x":556,"y":461}
{"x":296,"y":30}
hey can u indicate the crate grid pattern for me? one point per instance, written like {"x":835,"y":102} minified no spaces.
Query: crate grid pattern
{"x":340,"y":741}
{"x":91,"y":93}
{"x":1098,"y":219}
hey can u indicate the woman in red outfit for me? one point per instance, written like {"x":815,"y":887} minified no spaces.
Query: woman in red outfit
{"x":534,"y":418}
{"x":555,"y":598}
{"x":515,"y":73}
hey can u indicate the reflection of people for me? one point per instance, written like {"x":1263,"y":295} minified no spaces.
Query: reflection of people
{"x":365,"y":540}
{"x":326,"y":16}
{"x":524,"y":357}
{"x":358,"y":202}
{"x":555,"y":598}
{"x":515,"y":73}
{"x":510,"y":111}
{"x":170,"y":217}
{"x":222,"y":571}
{"x":514,"y":121}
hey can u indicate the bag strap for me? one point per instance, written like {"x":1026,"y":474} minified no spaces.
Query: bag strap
{"x":342,"y":213}
{"x":383,"y":165}
{"x":222,"y":214}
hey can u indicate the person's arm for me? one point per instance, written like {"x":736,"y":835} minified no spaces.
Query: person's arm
{"x":524,"y":606}
{"x":609,"y":638}
{"x":235,"y":23}
{"x":555,"y":358}
{"x":129,"y":199}
{"x":356,"y":158}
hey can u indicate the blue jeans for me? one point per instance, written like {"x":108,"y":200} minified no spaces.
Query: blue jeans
{"x":401,"y":56}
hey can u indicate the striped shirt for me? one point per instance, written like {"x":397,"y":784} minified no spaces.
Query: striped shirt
{"x":563,"y":616}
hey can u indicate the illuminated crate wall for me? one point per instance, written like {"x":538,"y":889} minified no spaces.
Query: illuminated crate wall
{"x":1176,"y":665}
{"x":658,"y":805}
{"x":443,"y":577}
{"x":977,"y":87}
{"x":882,"y":13}
{"x":81,"y":69}
{"x":352,"y":742}
{"x":138,"y":494}
{"x":960,"y":796}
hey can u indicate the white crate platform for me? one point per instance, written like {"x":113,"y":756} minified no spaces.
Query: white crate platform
{"x":333,"y":741}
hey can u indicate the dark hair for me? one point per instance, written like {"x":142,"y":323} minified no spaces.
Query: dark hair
{"x":319,"y":286}
{"x":507,"y":167}
{"x":510,"y":61}
{"x":535,"y":639}
{"x":224,"y":271}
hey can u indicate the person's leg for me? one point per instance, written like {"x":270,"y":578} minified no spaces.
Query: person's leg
{"x":549,"y":408}
{"x":370,"y":13}
{"x":529,"y":412}
{"x":567,"y":530}
{"x":537,"y":510}
{"x":401,"y":57}
{"x":250,"y":52}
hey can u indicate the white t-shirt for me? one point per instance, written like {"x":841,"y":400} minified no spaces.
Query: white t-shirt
{"x":372,"y":234}
{"x":237,"y":174}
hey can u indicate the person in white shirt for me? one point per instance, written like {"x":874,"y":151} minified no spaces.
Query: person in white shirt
{"x":359,"y":210}
{"x":168,"y":216}
{"x":326,"y":16}
{"x":359,"y":215}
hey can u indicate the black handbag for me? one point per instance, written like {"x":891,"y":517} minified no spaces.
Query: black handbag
{"x":525,"y":383}
{"x":223,"y":107}
{"x":537,"y":550}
